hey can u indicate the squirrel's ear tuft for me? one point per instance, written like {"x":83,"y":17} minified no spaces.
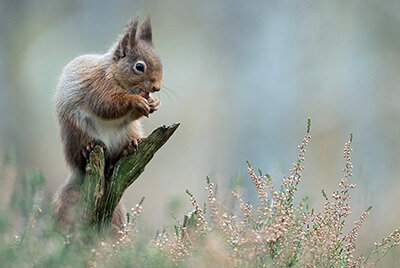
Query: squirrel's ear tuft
{"x":145,"y":30}
{"x":127,"y":40}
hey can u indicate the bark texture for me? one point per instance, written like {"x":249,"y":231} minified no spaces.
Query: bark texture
{"x":101,"y":195}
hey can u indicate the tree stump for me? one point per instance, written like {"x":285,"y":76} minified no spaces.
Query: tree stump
{"x":101,"y":195}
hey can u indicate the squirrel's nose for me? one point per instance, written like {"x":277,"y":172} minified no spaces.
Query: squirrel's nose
{"x":156,"y":88}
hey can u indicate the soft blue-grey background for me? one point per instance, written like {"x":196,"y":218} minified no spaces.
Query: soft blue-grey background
{"x":245,"y":77}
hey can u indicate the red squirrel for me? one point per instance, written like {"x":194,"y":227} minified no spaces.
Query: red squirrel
{"x":99,"y":100}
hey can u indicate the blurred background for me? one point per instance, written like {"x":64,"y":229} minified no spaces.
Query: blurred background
{"x":243,"y":79}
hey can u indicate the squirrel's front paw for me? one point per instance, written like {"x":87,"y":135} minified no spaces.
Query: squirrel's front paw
{"x":132,"y":146}
{"x":142,"y":106}
{"x":154,"y":104}
{"x":90,"y":147}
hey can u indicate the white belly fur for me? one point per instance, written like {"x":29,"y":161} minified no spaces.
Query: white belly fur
{"x":113,"y":133}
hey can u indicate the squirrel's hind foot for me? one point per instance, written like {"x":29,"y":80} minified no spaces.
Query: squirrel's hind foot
{"x":131,"y":147}
{"x":90,"y":147}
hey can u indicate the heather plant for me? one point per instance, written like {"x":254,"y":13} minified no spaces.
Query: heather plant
{"x":279,"y":232}
{"x":276,"y":231}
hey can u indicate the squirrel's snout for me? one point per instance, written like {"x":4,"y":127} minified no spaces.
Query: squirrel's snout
{"x":155,"y":89}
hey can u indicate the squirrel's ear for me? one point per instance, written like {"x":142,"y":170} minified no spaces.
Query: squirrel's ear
{"x":145,"y":30}
{"x":127,"y":41}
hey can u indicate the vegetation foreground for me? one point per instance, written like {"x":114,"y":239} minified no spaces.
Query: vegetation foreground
{"x":275,"y":232}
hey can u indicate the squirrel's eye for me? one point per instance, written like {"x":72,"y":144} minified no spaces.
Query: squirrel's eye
{"x":140,"y":67}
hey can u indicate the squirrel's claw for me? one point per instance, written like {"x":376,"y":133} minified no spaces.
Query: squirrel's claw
{"x":90,"y":147}
{"x":132,"y":146}
{"x":142,"y":106}
{"x":154,"y":104}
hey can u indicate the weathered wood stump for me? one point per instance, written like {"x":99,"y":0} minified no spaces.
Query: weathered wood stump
{"x":101,"y":195}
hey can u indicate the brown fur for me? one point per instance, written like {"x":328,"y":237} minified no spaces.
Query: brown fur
{"x":99,"y":99}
